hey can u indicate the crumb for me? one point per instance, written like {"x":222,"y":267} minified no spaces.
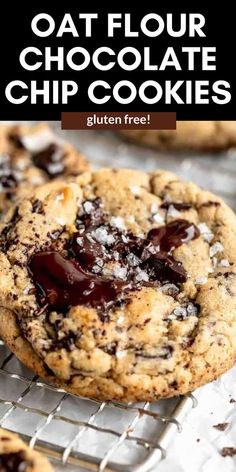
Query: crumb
{"x":228,"y":451}
{"x":198,"y":439}
{"x":221,"y":426}
{"x":232,"y":400}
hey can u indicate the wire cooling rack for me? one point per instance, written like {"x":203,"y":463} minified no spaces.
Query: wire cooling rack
{"x":81,"y":433}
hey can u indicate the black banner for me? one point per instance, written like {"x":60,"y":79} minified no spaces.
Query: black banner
{"x":80,"y":59}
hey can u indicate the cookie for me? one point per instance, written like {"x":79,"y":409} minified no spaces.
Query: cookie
{"x":120,"y":285}
{"x":31,"y":156}
{"x":15,"y":456}
{"x":192,"y":135}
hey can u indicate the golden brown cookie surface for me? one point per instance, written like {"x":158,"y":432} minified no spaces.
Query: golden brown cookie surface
{"x":121,"y":284}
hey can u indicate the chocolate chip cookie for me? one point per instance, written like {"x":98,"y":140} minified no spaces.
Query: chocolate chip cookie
{"x":120,"y":285}
{"x":30,"y":156}
{"x":15,"y":456}
{"x":193,"y":135}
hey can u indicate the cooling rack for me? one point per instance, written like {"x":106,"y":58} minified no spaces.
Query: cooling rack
{"x":81,"y":433}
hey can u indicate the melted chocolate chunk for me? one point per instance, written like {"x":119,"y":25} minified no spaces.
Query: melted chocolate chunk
{"x":178,"y":206}
{"x":173,"y":235}
{"x":83,"y":278}
{"x":164,"y":268}
{"x":16,"y":140}
{"x":8,"y":181}
{"x":50,"y":160}
{"x":87,"y":250}
{"x":14,"y":462}
{"x":62,"y":283}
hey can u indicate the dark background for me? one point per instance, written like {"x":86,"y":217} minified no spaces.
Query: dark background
{"x":16,"y":34}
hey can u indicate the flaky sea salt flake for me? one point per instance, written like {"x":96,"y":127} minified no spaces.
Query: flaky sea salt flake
{"x":120,"y":272}
{"x":142,"y":276}
{"x":60,"y":220}
{"x":180,"y":312}
{"x":135,"y":189}
{"x":88,"y":207}
{"x":133,"y":260}
{"x":121,"y":354}
{"x":205,"y":232}
{"x":223,"y":263}
{"x":216,"y":248}
{"x":102,"y":236}
{"x":117,"y":222}
{"x":201,"y":280}
{"x":192,"y":310}
{"x":157,"y":218}
{"x":172,"y":212}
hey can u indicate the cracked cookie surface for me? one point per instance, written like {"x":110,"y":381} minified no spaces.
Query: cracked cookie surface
{"x":31,"y":156}
{"x":16,"y":456}
{"x":120,"y":285}
{"x":192,"y":135}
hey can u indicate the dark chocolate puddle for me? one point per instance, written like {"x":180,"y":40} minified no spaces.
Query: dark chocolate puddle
{"x":81,"y":278}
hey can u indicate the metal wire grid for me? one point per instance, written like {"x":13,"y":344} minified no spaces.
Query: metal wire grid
{"x":16,"y":399}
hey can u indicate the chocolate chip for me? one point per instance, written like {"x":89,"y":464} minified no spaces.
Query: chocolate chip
{"x":5,"y":237}
{"x":166,"y":353}
{"x":51,"y":160}
{"x":14,"y":462}
{"x":87,"y":250}
{"x":16,"y":140}
{"x":228,"y":451}
{"x":173,"y":235}
{"x":221,"y":426}
{"x":110,"y":348}
{"x":210,"y":203}
{"x":67,"y":342}
{"x":8,"y":181}
{"x":165,"y":269}
{"x":174,"y":384}
{"x":178,"y":206}
{"x":37,"y":206}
